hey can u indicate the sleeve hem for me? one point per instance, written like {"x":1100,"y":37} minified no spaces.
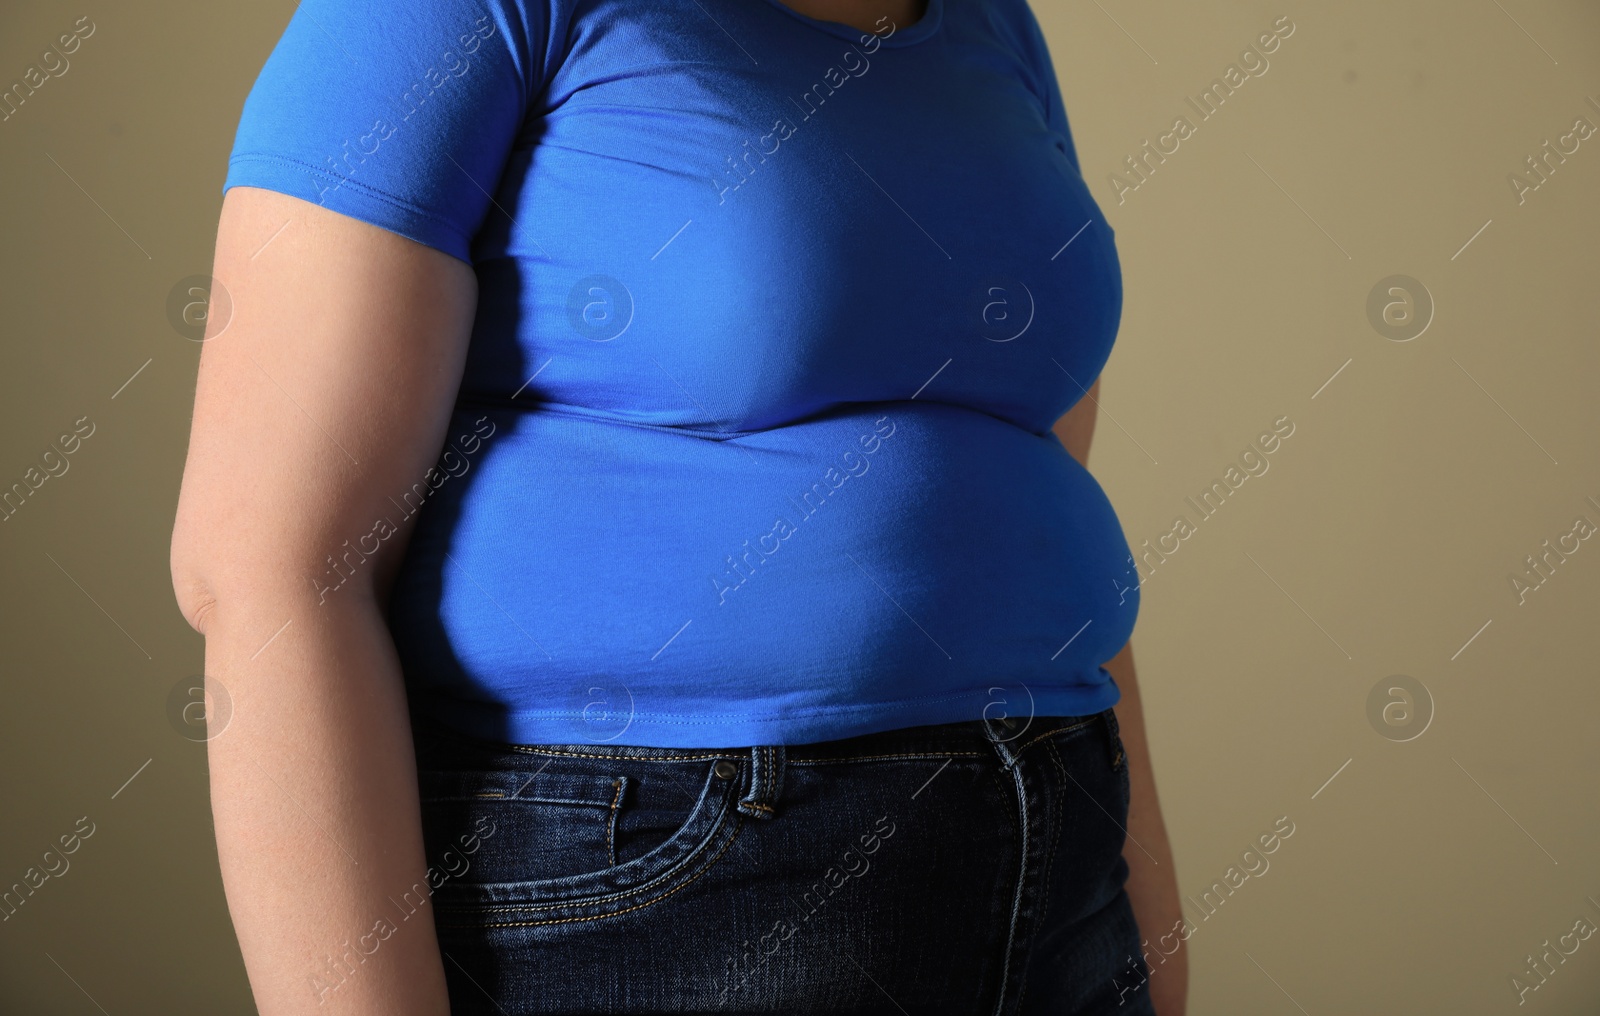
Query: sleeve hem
{"x":350,"y":197}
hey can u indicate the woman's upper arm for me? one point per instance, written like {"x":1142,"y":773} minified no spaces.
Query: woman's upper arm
{"x":325,"y":390}
{"x":362,"y":168}
{"x":1076,"y":428}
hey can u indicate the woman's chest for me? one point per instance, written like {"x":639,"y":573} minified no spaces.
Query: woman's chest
{"x":803,"y":220}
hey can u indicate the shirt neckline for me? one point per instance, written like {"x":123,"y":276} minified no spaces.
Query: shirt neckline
{"x":928,"y":24}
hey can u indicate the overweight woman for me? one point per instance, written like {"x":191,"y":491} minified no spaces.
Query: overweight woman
{"x":636,"y":507}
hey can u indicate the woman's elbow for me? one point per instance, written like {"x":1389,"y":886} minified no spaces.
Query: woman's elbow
{"x":189,"y":586}
{"x":265,"y":569}
{"x":218,"y":569}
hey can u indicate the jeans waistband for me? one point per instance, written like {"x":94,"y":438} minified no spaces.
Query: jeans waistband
{"x":1003,"y":738}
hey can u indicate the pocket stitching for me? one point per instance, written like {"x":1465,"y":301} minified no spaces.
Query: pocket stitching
{"x":455,"y":784}
{"x":1053,"y":733}
{"x":874,"y":758}
{"x":611,"y":826}
{"x":717,"y":826}
{"x":530,"y":750}
{"x":738,"y":826}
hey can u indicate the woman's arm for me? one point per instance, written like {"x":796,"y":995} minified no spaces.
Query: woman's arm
{"x":1152,"y":877}
{"x":327,"y":392}
{"x":1152,"y":884}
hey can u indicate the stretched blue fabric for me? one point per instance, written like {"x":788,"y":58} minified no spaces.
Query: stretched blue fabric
{"x":775,"y":317}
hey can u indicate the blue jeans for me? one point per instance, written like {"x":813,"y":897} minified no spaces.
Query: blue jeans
{"x":966,"y":868}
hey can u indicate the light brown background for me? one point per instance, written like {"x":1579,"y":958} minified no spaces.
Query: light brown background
{"x":1377,"y":544}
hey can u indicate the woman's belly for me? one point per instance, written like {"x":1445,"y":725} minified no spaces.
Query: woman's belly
{"x":886,"y":564}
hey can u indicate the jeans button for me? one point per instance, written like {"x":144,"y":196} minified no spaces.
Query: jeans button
{"x":725,"y":770}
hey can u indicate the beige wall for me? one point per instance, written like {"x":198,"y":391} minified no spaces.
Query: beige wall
{"x":1376,"y":544}
{"x":1381,"y":537}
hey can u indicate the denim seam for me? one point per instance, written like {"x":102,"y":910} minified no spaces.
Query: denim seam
{"x":611,"y":826}
{"x":534,"y":750}
{"x":648,"y":885}
{"x":595,"y":917}
{"x":871,"y":758}
{"x":763,"y":760}
{"x":496,"y":796}
{"x":430,"y":778}
{"x":1052,"y":733}
{"x":780,"y":761}
{"x":1048,"y":865}
{"x":1009,"y":761}
{"x":1114,"y":729}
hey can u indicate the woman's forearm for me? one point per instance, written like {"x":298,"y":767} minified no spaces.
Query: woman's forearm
{"x":313,"y":791}
{"x":1152,"y":878}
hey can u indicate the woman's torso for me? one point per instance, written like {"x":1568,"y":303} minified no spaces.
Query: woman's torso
{"x":773,"y":327}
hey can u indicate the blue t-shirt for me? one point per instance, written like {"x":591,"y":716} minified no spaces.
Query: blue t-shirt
{"x":775,"y":317}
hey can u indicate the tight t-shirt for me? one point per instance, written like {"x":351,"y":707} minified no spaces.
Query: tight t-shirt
{"x":775,"y":317}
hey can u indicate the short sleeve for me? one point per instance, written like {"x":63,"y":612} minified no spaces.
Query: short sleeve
{"x":1036,"y":52}
{"x":401,"y":113}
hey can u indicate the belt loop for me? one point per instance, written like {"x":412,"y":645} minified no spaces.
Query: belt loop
{"x":766,"y":781}
{"x":1001,"y":740}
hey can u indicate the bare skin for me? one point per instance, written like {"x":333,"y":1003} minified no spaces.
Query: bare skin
{"x":862,"y":14}
{"x":1152,"y":876}
{"x":328,"y":389}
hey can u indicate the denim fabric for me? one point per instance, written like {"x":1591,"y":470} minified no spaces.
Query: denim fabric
{"x":963,"y":868}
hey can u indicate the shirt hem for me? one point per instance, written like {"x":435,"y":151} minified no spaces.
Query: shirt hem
{"x":492,"y":722}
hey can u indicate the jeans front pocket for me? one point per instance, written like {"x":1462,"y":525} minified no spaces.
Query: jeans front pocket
{"x":575,"y":836}
{"x":491,"y":825}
